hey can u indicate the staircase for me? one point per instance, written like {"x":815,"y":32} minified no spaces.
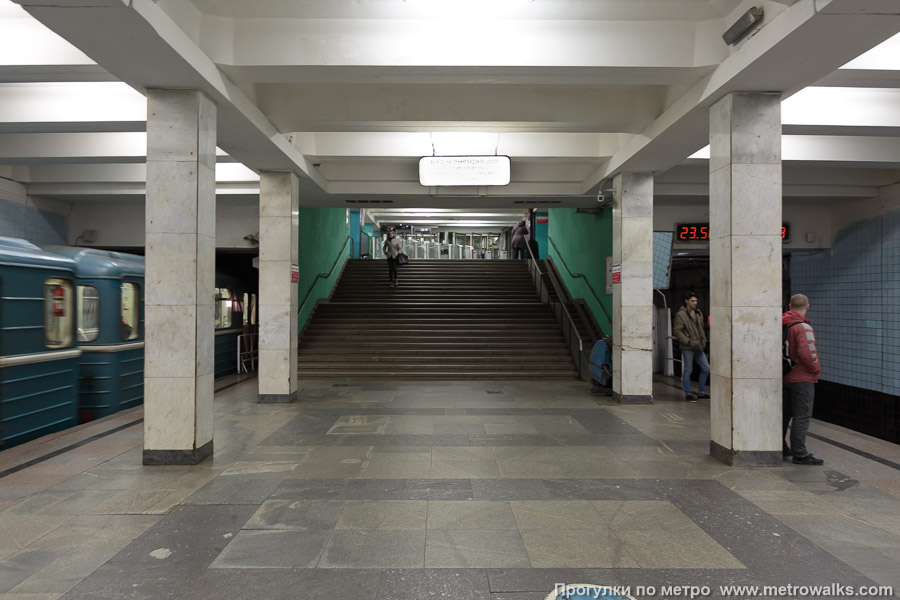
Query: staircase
{"x":448,"y":319}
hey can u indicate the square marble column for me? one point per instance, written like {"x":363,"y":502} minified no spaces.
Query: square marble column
{"x":180,"y":277}
{"x":633,"y":297}
{"x":745,"y":279}
{"x":279,"y":218}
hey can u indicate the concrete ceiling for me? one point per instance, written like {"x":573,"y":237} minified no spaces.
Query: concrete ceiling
{"x":349,"y":94}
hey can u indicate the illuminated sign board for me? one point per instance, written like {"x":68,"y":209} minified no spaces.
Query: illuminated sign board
{"x":463,"y":170}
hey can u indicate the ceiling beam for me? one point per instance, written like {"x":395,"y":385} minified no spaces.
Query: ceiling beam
{"x":142,"y":46}
{"x":792,"y":51}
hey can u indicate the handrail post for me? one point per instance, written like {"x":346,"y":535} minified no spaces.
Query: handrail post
{"x":568,"y":324}
{"x":323,"y":275}
{"x":586,"y":281}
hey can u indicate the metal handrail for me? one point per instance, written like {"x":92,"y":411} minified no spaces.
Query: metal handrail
{"x":586,"y":281}
{"x":559,"y":295}
{"x":323,"y":275}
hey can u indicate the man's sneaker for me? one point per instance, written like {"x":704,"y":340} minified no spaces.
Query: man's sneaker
{"x":703,"y":396}
{"x":690,"y":397}
{"x":809,"y":459}
{"x":787,"y":453}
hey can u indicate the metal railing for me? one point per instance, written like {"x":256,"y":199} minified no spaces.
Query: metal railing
{"x":586,"y":282}
{"x":248,"y":358}
{"x":323,"y":275}
{"x":569,"y":330}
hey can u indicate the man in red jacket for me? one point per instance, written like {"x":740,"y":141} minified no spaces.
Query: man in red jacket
{"x":799,"y":385}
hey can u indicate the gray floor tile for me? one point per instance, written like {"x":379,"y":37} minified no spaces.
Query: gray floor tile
{"x":474,"y":548}
{"x":465,"y":469}
{"x":636,"y":514}
{"x":675,"y":549}
{"x":272,"y":550}
{"x":233,"y":490}
{"x":437,"y":489}
{"x":362,"y":549}
{"x":585,"y":548}
{"x":374,"y":489}
{"x":506,"y":489}
{"x":117,"y":581}
{"x":65,"y":572}
{"x":24,"y":564}
{"x":544,"y":580}
{"x":383,"y":514}
{"x":311,"y":489}
{"x":189,"y":534}
{"x":556,"y":514}
{"x":451,"y":584}
{"x":470,"y":515}
{"x":399,"y":466}
{"x":97,"y":531}
{"x":296,"y":514}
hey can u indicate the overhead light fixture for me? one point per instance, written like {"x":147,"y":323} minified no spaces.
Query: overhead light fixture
{"x":743,"y":25}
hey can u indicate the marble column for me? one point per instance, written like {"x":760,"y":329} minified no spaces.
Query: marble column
{"x":279,"y":217}
{"x":633,"y":297}
{"x":745,"y":279}
{"x":180,"y":277}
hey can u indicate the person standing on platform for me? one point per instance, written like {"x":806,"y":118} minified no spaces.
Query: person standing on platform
{"x":799,"y":385}
{"x":519,"y":244}
{"x":688,"y":330}
{"x":392,"y":248}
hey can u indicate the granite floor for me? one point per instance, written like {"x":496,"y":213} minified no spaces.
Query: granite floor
{"x":458,"y":490}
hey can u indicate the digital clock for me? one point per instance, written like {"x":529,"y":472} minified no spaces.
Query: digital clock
{"x":699,"y":232}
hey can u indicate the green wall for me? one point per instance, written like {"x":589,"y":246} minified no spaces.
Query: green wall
{"x":583,"y":241}
{"x":323,"y":232}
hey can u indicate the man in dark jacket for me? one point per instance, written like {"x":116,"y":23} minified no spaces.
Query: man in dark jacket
{"x":799,"y":386}
{"x":688,"y":330}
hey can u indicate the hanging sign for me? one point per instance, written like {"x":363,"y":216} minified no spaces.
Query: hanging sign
{"x":295,"y":273}
{"x":463,"y":170}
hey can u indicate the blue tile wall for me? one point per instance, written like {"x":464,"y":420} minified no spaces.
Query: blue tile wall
{"x":662,"y":258}
{"x":854,"y":296}
{"x":27,"y":222}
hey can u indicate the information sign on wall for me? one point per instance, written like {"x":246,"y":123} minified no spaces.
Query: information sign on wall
{"x":616,"y":273}
{"x":295,"y":273}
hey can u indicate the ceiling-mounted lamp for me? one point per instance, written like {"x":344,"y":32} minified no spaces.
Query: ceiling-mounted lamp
{"x":743,"y":25}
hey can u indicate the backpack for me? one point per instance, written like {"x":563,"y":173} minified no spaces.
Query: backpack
{"x":787,"y":364}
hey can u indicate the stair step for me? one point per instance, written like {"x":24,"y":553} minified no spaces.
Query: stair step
{"x":435,"y":375}
{"x":458,"y":319}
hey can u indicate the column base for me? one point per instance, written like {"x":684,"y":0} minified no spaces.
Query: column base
{"x":279,"y":398}
{"x":632,"y":398}
{"x":745,"y":458}
{"x":178,"y":457}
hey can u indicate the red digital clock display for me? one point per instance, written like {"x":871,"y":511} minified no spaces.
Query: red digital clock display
{"x":699,"y":232}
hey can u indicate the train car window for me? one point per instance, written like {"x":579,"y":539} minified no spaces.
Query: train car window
{"x":88,"y":313}
{"x":129,"y":326}
{"x":223,"y":308}
{"x":57,"y":313}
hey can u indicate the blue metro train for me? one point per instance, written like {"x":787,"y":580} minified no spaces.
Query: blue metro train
{"x":72,"y":335}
